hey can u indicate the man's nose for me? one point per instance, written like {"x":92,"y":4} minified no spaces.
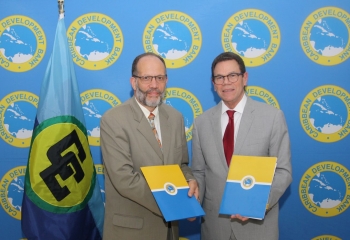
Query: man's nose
{"x":154,"y":82}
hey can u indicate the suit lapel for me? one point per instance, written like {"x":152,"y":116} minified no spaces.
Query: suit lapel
{"x":246,"y":123}
{"x":216,"y":133}
{"x":144,"y":128}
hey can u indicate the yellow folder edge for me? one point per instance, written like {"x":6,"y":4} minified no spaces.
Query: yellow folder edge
{"x":262,"y":168}
{"x":157,"y":176}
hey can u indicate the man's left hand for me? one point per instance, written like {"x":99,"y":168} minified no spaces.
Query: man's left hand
{"x":194,"y":190}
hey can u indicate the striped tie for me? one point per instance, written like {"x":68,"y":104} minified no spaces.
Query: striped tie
{"x":151,"y":122}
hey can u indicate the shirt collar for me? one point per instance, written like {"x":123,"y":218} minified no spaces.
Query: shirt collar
{"x":239,"y":107}
{"x":145,"y":111}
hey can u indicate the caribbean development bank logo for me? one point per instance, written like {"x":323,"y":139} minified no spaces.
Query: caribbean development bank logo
{"x":185,"y":102}
{"x":11,"y":191}
{"x":95,"y":41}
{"x":170,"y":188}
{"x":324,"y":113}
{"x":22,"y":43}
{"x":324,"y":189}
{"x":95,"y":103}
{"x":253,"y":34}
{"x":101,"y":180}
{"x":262,"y":95}
{"x":324,"y":36}
{"x":17,"y":116}
{"x":326,"y":237}
{"x":175,"y":36}
{"x":247,"y":182}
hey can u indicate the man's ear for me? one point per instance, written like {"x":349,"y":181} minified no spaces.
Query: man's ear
{"x":133,"y":83}
{"x":245,"y":78}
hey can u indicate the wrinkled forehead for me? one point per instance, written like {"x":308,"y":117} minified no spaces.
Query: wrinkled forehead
{"x":150,"y":65}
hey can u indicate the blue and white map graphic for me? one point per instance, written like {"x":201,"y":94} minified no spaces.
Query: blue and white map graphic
{"x":19,"y":123}
{"x":15,"y":192}
{"x":172,"y":40}
{"x":251,"y":38}
{"x":94,"y":42}
{"x":327,"y":189}
{"x":93,"y":111}
{"x":329,"y":36}
{"x":328,"y":114}
{"x":184,"y":108}
{"x":18,"y":44}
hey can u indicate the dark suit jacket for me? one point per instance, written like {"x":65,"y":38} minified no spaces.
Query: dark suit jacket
{"x":128,"y":143}
{"x":262,"y":132}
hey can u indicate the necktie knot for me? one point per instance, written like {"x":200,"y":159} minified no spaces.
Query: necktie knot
{"x":151,"y":116}
{"x":230,"y":113}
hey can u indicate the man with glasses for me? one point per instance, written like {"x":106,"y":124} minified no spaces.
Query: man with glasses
{"x":141,"y":132}
{"x":241,"y":126}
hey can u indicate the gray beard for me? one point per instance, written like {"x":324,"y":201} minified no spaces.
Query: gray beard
{"x":141,"y":97}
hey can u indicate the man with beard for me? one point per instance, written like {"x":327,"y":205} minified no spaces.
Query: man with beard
{"x":130,"y":139}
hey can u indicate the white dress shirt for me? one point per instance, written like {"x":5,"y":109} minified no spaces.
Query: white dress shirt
{"x":237,"y":116}
{"x":156,"y":118}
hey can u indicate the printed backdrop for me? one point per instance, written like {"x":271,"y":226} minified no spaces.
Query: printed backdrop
{"x":296,"y":54}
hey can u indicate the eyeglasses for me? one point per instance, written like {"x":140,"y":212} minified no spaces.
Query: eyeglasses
{"x":232,"y":77}
{"x":148,"y":79}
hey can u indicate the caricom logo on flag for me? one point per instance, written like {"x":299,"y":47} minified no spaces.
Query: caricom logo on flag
{"x":64,"y":178}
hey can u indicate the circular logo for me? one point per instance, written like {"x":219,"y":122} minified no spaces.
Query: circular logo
{"x":95,"y":41}
{"x":64,"y":178}
{"x":262,"y":95}
{"x":170,"y":188}
{"x":324,"y":113}
{"x":326,"y":237}
{"x":23,"y":43}
{"x":175,"y":36}
{"x":101,"y":180}
{"x":247,"y":182}
{"x":17,"y":117}
{"x":324,"y":36}
{"x":95,"y":103}
{"x":323,"y":189}
{"x":185,"y":102}
{"x":12,"y":187}
{"x":253,"y":34}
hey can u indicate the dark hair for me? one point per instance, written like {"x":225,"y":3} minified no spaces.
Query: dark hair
{"x":226,"y":56}
{"x":137,"y":59}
